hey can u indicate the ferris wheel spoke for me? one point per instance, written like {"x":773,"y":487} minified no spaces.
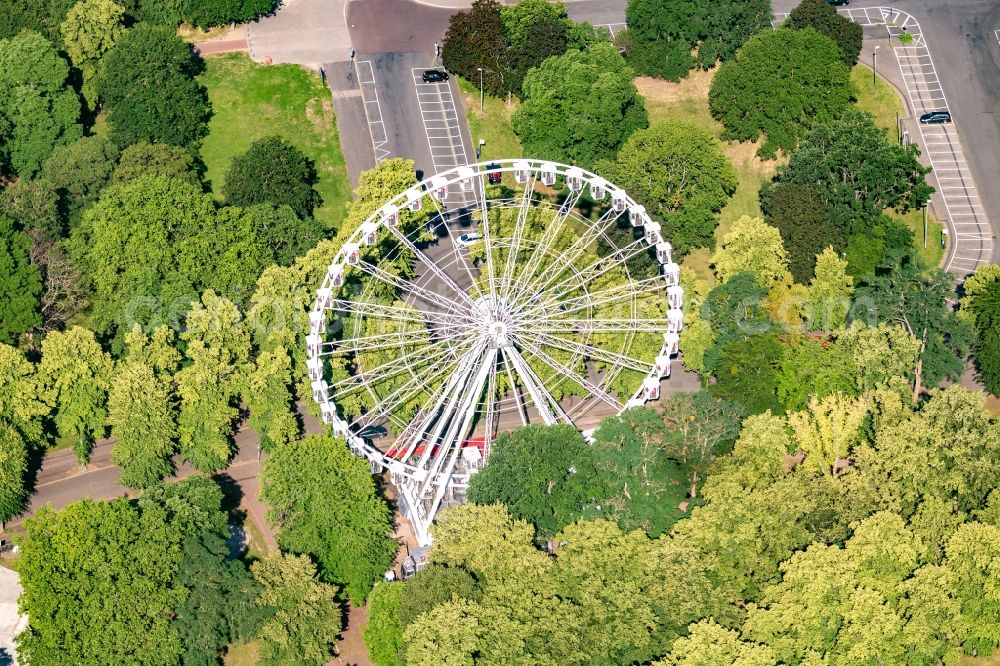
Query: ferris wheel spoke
{"x":630,"y":290}
{"x":393,"y":312}
{"x":583,"y":276}
{"x":570,"y":374}
{"x":588,"y":351}
{"x":522,"y":218}
{"x":583,"y":326}
{"x":485,"y":225}
{"x":380,"y":342}
{"x":394,"y":366}
{"x":404,"y":393}
{"x":549,"y":237}
{"x":547,"y":406}
{"x":426,"y":261}
{"x":411,"y":287}
{"x":515,"y":391}
{"x":428,"y":426}
{"x":443,"y":215}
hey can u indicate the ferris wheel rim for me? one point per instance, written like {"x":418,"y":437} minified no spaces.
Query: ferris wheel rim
{"x":429,"y":189}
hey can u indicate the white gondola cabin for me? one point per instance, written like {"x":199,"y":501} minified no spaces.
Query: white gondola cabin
{"x":675,"y":320}
{"x":651,"y":388}
{"x":319,"y":388}
{"x":672,"y":274}
{"x":351,"y":254}
{"x":328,"y":412}
{"x":653,"y":233}
{"x":637,"y":216}
{"x":390,"y":215}
{"x":314,"y":343}
{"x":369,"y":233}
{"x":336,"y":275}
{"x":324,"y":295}
{"x":662,"y":366}
{"x":522,"y":171}
{"x":574,"y":178}
{"x":315,"y":367}
{"x":317,"y":321}
{"x":440,"y":187}
{"x":598,"y":188}
{"x":618,"y":201}
{"x":414,"y":199}
{"x":466,"y":178}
{"x":671,"y":342}
{"x":664,"y":252}
{"x":675,"y":296}
{"x":548,"y":173}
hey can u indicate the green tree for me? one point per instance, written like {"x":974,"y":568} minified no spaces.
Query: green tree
{"x":644,"y":487}
{"x":42,"y":16}
{"x":272,"y":171}
{"x":383,"y":633}
{"x":476,"y":39}
{"x":973,"y":556}
{"x":90,"y":30}
{"x":155,"y":159}
{"x":579,"y":107}
{"x":918,"y":303}
{"x":150,"y":246}
{"x":829,"y":293}
{"x":38,"y":110}
{"x":304,"y":619}
{"x":678,"y":171}
{"x":75,"y":375}
{"x":800,"y":214}
{"x":208,"y":13}
{"x":827,"y":431}
{"x":147,"y":84}
{"x":813,"y":368}
{"x":981,"y":307}
{"x":79,"y":171}
{"x":268,"y":394}
{"x":218,"y":347}
{"x":543,"y":474}
{"x":824,"y":18}
{"x":751,"y":246}
{"x":19,"y":281}
{"x":668,"y":39}
{"x":699,"y":428}
{"x":708,"y":644}
{"x":20,"y":403}
{"x":534,"y":30}
{"x":97,"y":580}
{"x":878,"y":353}
{"x":857,"y":172}
{"x":34,"y":207}
{"x":746,"y":373}
{"x":13,"y":465}
{"x":347,"y":532}
{"x":801,"y":68}
{"x":435,"y":585}
{"x":142,"y":416}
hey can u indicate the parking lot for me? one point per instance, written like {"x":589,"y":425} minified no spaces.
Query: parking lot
{"x":443,"y":128}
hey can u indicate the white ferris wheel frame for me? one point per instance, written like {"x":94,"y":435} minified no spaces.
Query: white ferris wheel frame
{"x":421,"y":476}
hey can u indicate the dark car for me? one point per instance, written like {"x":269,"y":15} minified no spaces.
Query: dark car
{"x":935,"y":117}
{"x":838,"y":3}
{"x":493,"y":171}
{"x":434,"y":76}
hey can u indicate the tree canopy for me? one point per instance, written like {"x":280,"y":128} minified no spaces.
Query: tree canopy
{"x":90,"y":30}
{"x":19,"y":281}
{"x":678,"y":171}
{"x":347,"y":532}
{"x":579,"y":107}
{"x":146,"y":82}
{"x":780,"y":84}
{"x":272,"y":171}
{"x":666,"y":39}
{"x":823,"y":16}
{"x":38,"y":109}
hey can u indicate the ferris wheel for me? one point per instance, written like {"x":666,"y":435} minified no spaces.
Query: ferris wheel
{"x":487,"y":297}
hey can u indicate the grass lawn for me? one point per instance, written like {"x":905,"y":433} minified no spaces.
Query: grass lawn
{"x":243,"y":654}
{"x":493,"y":125}
{"x":252,"y":101}
{"x":914,"y":220}
{"x":881,"y":100}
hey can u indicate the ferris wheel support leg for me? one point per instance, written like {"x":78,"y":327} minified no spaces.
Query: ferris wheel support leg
{"x":543,"y":401}
{"x":458,"y":433}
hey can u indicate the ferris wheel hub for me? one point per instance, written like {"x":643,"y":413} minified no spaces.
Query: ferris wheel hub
{"x":495,"y":319}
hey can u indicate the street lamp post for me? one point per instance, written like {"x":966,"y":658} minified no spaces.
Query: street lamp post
{"x":481,"y":100}
{"x":874,"y":65}
{"x":479,"y":148}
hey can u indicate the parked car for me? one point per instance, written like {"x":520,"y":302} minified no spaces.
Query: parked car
{"x":838,"y":3}
{"x":434,"y":76}
{"x":465,"y":240}
{"x":935,"y":117}
{"x":493,"y":173}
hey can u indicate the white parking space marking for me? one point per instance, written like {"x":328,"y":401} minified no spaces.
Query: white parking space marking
{"x":613,"y":28}
{"x":996,"y":33}
{"x":940,"y":143}
{"x":373,"y":109}
{"x":443,"y":129}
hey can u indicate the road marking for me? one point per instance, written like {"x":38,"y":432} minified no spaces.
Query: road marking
{"x":997,"y":34}
{"x":612,"y":28}
{"x":373,"y":109}
{"x":443,"y":129}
